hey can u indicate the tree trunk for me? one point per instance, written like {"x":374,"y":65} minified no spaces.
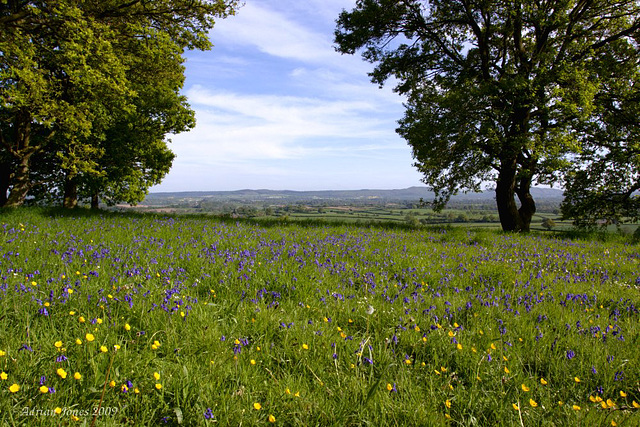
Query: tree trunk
{"x":95,"y":201}
{"x":22,"y":152}
{"x":5,"y":181}
{"x":21,"y":183}
{"x":70,"y":193}
{"x":505,"y":196}
{"x":512,"y":218}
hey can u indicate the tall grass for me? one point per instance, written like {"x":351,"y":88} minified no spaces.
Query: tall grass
{"x":241,"y":323}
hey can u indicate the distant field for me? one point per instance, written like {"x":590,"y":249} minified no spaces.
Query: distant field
{"x":195,"y":320}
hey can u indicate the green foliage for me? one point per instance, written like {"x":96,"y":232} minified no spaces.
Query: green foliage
{"x":500,"y":90}
{"x":74,"y":75}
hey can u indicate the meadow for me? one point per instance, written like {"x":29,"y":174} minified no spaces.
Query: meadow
{"x":112,"y":319}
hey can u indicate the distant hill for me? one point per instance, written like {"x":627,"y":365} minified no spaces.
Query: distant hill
{"x":289,"y":196}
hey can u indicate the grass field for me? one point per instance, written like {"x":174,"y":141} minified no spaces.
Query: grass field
{"x":150,"y":319}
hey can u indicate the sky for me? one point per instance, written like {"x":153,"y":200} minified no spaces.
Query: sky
{"x":278,"y":108}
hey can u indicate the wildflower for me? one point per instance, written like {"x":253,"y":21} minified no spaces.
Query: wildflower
{"x":77,"y":376}
{"x":58,"y":344}
{"x":156,"y":375}
{"x":78,"y":341}
{"x":524,"y":387}
{"x":3,"y":375}
{"x":459,"y":346}
{"x":447,"y":404}
{"x":610,"y":403}
{"x":516,"y":407}
{"x":543,"y":381}
{"x":272,"y":419}
{"x":506,"y":370}
{"x":257,"y":406}
{"x":14,"y":388}
{"x":305,"y":346}
{"x":2,"y":353}
{"x":116,"y":347}
{"x":44,"y":389}
{"x":127,"y":327}
{"x":58,"y":410}
{"x":576,"y":379}
{"x":533,"y":403}
{"x":89,"y":337}
{"x":158,"y":386}
{"x":112,"y":383}
{"x":560,"y":403}
{"x":103,"y":348}
{"x":156,"y":345}
{"x":636,"y":404}
{"x":253,"y":362}
{"x":575,"y":407}
{"x":81,"y":319}
{"x":623,"y":394}
{"x":62,"y":373}
{"x":208,"y":414}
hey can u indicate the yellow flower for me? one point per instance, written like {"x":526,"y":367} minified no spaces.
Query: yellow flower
{"x":58,"y":344}
{"x":62,"y":373}
{"x":272,"y":419}
{"x":81,"y":319}
{"x":524,"y":387}
{"x":576,"y":379}
{"x":543,"y":381}
{"x":3,"y":375}
{"x":516,"y":407}
{"x":447,"y":403}
{"x":623,"y":394}
{"x":103,"y":348}
{"x":257,"y":406}
{"x":305,"y":346}
{"x":575,"y":407}
{"x":636,"y":404}
{"x":156,"y":375}
{"x":99,"y":320}
{"x":77,"y":375}
{"x":117,"y":347}
{"x":253,"y":362}
{"x":451,"y":334}
{"x":493,"y":346}
{"x":459,"y":346}
{"x":44,"y":389}
{"x":610,"y":403}
{"x":58,"y":410}
{"x":136,"y":390}
{"x":287,"y":391}
{"x":89,"y":337}
{"x":2,"y":353}
{"x":14,"y":388}
{"x":560,"y":403}
{"x":506,"y":370}
{"x":159,"y":386}
{"x":533,"y":403}
{"x":127,"y":327}
{"x":591,"y":398}
{"x":78,"y":341}
{"x":389,"y":387}
{"x":613,"y":423}
{"x":70,"y":291}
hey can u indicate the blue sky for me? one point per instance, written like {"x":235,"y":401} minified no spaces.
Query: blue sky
{"x":278,"y":108}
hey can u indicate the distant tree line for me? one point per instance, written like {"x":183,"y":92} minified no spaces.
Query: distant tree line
{"x":89,"y":90}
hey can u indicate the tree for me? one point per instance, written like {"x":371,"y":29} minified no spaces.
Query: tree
{"x":66,"y":78}
{"x":497,"y":90}
{"x":548,"y":223}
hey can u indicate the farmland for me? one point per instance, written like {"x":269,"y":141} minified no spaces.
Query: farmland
{"x":192,"y":320}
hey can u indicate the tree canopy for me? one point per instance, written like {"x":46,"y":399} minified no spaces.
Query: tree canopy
{"x":90,"y":89}
{"x":514,"y":92}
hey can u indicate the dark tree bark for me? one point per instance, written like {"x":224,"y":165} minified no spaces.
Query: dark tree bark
{"x":70,"y":200}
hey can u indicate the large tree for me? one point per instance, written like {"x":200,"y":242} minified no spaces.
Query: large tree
{"x":497,"y":90}
{"x":66,"y":77}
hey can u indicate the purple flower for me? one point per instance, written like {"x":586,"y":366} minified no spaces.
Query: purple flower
{"x":570,"y":354}
{"x":208,"y":414}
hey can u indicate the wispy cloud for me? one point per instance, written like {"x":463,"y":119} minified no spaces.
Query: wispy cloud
{"x":277,"y":107}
